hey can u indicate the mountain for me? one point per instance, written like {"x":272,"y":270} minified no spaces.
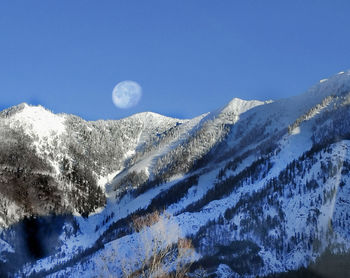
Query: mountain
{"x":252,"y":189}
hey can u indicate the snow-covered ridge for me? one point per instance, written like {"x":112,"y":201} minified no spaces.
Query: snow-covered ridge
{"x":239,"y":106}
{"x":151,"y":116}
{"x":39,"y":121}
{"x":43,"y":123}
{"x":334,"y":85}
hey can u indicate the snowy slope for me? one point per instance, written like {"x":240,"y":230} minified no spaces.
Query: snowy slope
{"x":39,"y":122}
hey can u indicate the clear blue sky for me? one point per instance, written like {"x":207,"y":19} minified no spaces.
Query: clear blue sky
{"x":189,"y":56}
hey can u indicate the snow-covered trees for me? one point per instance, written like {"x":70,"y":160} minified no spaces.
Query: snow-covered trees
{"x":161,"y":254}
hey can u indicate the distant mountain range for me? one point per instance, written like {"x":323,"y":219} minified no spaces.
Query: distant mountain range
{"x":252,"y":189}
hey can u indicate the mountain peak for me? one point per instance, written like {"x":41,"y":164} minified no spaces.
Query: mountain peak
{"x":36,"y":119}
{"x":333,"y":85}
{"x":19,"y":108}
{"x":148,"y":114}
{"x":152,"y":118}
{"x":239,"y":106}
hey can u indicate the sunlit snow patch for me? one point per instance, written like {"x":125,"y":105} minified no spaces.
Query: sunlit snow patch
{"x":295,"y":131}
{"x":40,"y":121}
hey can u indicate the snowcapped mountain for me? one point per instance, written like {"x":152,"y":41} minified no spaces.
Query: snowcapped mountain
{"x":256,"y":188}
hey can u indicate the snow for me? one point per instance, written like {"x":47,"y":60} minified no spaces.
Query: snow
{"x":147,"y":162}
{"x":40,"y":122}
{"x":88,"y":235}
{"x":45,"y":127}
{"x":295,"y":131}
{"x":5,"y":247}
{"x":239,"y":106}
{"x":104,"y":182}
{"x":151,"y":123}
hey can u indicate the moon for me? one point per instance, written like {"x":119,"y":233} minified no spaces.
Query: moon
{"x":126,"y":94}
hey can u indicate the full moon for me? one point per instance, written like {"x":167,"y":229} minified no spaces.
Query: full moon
{"x":126,"y":94}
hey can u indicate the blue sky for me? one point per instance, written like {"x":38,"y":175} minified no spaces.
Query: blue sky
{"x":189,"y":56}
